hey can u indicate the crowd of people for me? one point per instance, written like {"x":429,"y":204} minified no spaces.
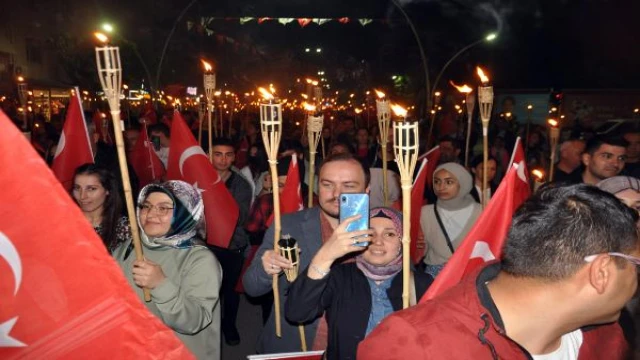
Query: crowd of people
{"x":567,"y":273}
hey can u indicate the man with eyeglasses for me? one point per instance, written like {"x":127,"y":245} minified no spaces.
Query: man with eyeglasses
{"x":603,"y":158}
{"x":568,"y":267}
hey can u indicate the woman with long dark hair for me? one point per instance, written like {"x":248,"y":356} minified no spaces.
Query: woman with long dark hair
{"x":96,"y":191}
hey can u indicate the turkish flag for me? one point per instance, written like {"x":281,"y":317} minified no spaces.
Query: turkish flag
{"x":291,"y":195}
{"x":517,"y":156}
{"x":74,"y":148}
{"x":433,"y":157}
{"x":486,"y":238}
{"x":188,"y":162}
{"x":62,"y":295}
{"x":145,"y":161}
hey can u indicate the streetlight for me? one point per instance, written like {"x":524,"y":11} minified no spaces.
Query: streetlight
{"x":489,"y":38}
{"x":107,"y":27}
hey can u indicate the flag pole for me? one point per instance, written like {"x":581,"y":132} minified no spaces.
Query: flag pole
{"x":110,"y":74}
{"x":148,"y":146}
{"x":271,"y":128}
{"x":406,"y":151}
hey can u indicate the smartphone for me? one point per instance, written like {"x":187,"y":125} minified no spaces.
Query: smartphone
{"x":352,"y":205}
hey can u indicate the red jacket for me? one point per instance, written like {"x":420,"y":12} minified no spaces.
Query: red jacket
{"x":463,"y":323}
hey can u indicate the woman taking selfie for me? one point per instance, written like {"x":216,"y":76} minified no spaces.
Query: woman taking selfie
{"x":95,"y":190}
{"x":356,"y":296}
{"x":183,"y":276}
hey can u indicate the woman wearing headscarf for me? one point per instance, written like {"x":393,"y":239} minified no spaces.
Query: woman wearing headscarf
{"x":182,"y":275}
{"x":446,"y":223}
{"x":625,"y":188}
{"x":355,"y":296}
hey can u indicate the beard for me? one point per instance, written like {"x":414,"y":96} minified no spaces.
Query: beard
{"x":326,"y":208}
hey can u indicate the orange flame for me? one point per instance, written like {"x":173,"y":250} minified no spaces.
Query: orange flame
{"x":465,"y":89}
{"x":483,"y":77}
{"x":399,"y":110}
{"x":380,"y":94}
{"x":308,"y":107}
{"x":553,"y":122}
{"x":207,"y":66}
{"x":539,"y":174}
{"x":358,"y":110}
{"x":265,"y":93}
{"x":304,"y":96}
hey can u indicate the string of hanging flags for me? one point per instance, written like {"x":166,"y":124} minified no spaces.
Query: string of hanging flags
{"x":286,"y":21}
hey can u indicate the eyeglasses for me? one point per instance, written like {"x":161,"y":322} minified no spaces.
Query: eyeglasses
{"x":160,"y":210}
{"x":634,"y":260}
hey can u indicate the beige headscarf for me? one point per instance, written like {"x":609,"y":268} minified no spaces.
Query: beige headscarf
{"x":463,"y":198}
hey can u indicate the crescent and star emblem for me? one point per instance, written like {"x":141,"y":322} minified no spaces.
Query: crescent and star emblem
{"x":10,"y":254}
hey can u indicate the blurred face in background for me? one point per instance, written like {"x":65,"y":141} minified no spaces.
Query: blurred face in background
{"x":633,"y":150}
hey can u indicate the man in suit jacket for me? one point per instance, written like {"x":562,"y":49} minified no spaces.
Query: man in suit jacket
{"x":339,"y":174}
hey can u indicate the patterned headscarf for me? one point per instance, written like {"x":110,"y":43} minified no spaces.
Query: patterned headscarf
{"x":384,"y":272}
{"x":616,"y":184}
{"x":187,"y":218}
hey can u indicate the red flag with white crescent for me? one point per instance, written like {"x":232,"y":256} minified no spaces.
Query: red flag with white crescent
{"x":62,"y":295}
{"x":291,"y":195}
{"x":485,"y":240}
{"x":188,"y":162}
{"x":74,"y":147}
{"x":145,"y":161}
{"x":433,"y":157}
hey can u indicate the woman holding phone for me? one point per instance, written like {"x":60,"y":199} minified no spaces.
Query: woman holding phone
{"x":355,"y":296}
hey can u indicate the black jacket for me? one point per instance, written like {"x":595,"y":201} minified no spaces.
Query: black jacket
{"x":345,"y":295}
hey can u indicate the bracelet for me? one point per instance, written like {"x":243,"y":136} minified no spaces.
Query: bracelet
{"x":320,"y":271}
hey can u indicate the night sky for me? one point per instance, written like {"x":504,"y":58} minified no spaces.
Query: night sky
{"x":542,"y":43}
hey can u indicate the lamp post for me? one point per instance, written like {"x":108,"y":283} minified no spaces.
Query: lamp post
{"x":488,"y":38}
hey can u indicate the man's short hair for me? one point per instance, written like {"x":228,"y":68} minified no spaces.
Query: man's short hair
{"x":596,"y":142}
{"x":479,"y":159}
{"x":160,"y":127}
{"x":222,"y":141}
{"x":451,"y":139}
{"x":559,"y":226}
{"x":347,"y":157}
{"x":569,"y":143}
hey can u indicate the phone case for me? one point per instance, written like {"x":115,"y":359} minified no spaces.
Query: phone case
{"x":355,"y":204}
